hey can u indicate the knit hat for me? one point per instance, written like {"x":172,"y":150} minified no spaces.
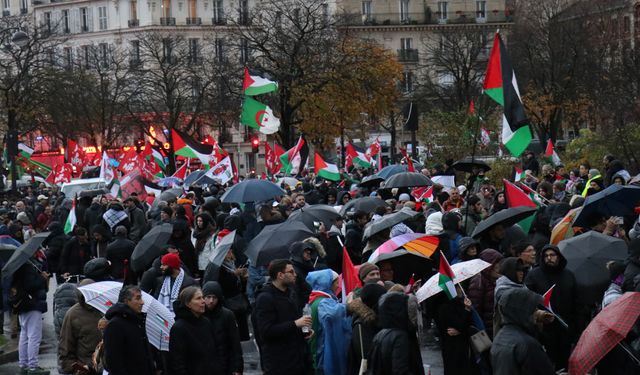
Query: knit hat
{"x":365,"y":269}
{"x":404,"y":197}
{"x":594,"y":172}
{"x":23,"y":218}
{"x":172,"y":260}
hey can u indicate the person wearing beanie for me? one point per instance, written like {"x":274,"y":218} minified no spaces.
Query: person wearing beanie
{"x":472,"y":214}
{"x":468,"y":249}
{"x":330,"y":323}
{"x":172,"y":280}
{"x":225,"y":329}
{"x":368,"y":273}
{"x":365,"y":325}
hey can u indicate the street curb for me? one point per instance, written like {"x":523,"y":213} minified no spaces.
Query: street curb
{"x":9,"y":354}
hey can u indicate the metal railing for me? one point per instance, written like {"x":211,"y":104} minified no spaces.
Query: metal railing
{"x":134,"y":23}
{"x":219,"y":21}
{"x":425,"y":18}
{"x":194,"y":21}
{"x":167,"y":21}
{"x":408,"y":55}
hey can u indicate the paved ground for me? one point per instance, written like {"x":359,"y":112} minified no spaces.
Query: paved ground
{"x":48,"y":351}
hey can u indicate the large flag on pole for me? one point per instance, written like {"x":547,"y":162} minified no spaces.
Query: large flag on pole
{"x":326,"y":170}
{"x":445,"y":279}
{"x":24,"y":150}
{"x":500,"y":85}
{"x":295,"y":159}
{"x":254,"y":84}
{"x":221,"y":172}
{"x":550,"y":152}
{"x":518,"y":198}
{"x":258,"y":116}
{"x":186,"y":146}
{"x":357,"y":156}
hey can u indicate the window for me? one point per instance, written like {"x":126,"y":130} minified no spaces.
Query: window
{"x":166,"y":8}
{"x":250,"y":161}
{"x":366,"y":9}
{"x":192,"y":9}
{"x":443,"y":10}
{"x":481,"y":9}
{"x":6,"y":4}
{"x":219,"y":49}
{"x":102,"y":18}
{"x":167,"y":50}
{"x":407,"y":82}
{"x":24,"y":6}
{"x":84,"y":19}
{"x":404,"y":10}
{"x":133,"y":11}
{"x":218,"y":12}
{"x":244,"y":51}
{"x":104,"y":55}
{"x":193,"y":51}
{"x":47,"y":21}
{"x":325,"y":13}
{"x":405,"y":43}
{"x":135,"y":52}
{"x":68,"y":57}
{"x":243,"y":12}
{"x":86,"y":56}
{"x":65,"y":21}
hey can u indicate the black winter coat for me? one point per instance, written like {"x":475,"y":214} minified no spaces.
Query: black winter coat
{"x":55,"y":244}
{"x":456,"y":349}
{"x":119,"y":250}
{"x":365,"y":327}
{"x":226,"y":335}
{"x":74,"y":256}
{"x":284,"y":350}
{"x":192,"y":347}
{"x":126,"y":348}
{"x":28,"y":280}
{"x":93,"y":216}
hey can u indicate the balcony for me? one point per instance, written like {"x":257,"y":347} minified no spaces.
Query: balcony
{"x":243,"y":19}
{"x":194,"y":21}
{"x":135,"y":63}
{"x":167,"y":21}
{"x":6,"y":13}
{"x":425,"y":18}
{"x":134,"y":23}
{"x":408,"y":55}
{"x":219,"y":21}
{"x":36,"y":2}
{"x":24,"y":10}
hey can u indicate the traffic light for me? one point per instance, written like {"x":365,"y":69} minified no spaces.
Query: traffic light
{"x":255,"y":144}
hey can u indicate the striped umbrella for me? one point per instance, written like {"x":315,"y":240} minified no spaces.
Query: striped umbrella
{"x":564,"y":229}
{"x":102,"y":295}
{"x":418,"y":243}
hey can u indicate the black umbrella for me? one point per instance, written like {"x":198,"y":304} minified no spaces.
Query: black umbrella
{"x":388,"y":221}
{"x":407,"y":179}
{"x":468,"y":164}
{"x":616,"y":200}
{"x":93,"y":192}
{"x":366,"y":204}
{"x":315,"y":213}
{"x":22,"y":254}
{"x":274,"y":240}
{"x":587,"y":256}
{"x":391,"y":170}
{"x":506,"y":217}
{"x":252,"y":190}
{"x":405,"y":264}
{"x":150,"y":247}
{"x":6,"y":251}
{"x":371,"y":181}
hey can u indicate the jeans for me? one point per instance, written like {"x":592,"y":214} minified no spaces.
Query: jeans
{"x":30,"y":337}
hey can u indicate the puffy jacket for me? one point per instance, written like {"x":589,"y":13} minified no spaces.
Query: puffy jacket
{"x":192,"y":347}
{"x":482,"y":289}
{"x":65,"y":296}
{"x":126,"y":347}
{"x":79,"y":336}
{"x":515,"y":351}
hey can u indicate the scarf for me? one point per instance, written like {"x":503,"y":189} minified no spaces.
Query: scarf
{"x":113,"y":217}
{"x":169,"y":294}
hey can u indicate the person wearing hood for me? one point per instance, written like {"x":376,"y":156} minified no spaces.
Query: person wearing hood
{"x":513,"y":272}
{"x":302,"y":255}
{"x":181,"y":238}
{"x":93,"y":214}
{"x":472,"y":214}
{"x":119,"y":254}
{"x":203,"y":237}
{"x":54,"y":244}
{"x":633,"y":266}
{"x":354,"y":236}
{"x":116,"y":215}
{"x":395,"y":349}
{"x":137,"y":218}
{"x":343,"y":198}
{"x":192,"y":345}
{"x":172,"y":281}
{"x":79,"y":335}
{"x":493,"y":238}
{"x":515,"y":349}
{"x":100,"y":237}
{"x":75,"y":254}
{"x":468,"y":250}
{"x":612,"y":166}
{"x":126,"y":346}
{"x":450,"y":238}
{"x":365,"y":325}
{"x":225,"y":329}
{"x":331,"y":325}
{"x":482,"y":288}
{"x":65,"y":296}
{"x":454,"y":321}
{"x":552,"y":272}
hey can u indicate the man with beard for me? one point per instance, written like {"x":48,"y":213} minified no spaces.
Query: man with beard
{"x":552,"y":272}
{"x":225,"y":329}
{"x":172,"y":281}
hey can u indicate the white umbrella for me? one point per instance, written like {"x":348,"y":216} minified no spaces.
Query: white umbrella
{"x":102,"y":295}
{"x":462,"y":272}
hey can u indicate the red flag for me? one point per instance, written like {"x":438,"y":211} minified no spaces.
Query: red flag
{"x":269,"y":158}
{"x":75,"y":155}
{"x":350,"y":277}
{"x":472,"y":108}
{"x":181,"y":173}
{"x":410,"y":166}
{"x":60,"y":173}
{"x":516,"y":197}
{"x":424,"y":192}
{"x":547,"y":297}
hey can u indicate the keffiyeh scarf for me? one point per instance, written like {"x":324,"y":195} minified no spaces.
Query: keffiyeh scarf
{"x":169,"y":294}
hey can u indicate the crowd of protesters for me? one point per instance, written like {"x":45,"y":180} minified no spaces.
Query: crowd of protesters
{"x":292,"y":307}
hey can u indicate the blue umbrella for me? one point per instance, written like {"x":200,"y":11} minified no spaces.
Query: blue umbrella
{"x":616,"y":200}
{"x":252,"y":190}
{"x":390,"y":170}
{"x":193,"y":177}
{"x":169,"y":182}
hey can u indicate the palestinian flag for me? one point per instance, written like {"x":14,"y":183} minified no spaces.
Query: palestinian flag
{"x":423,"y":193}
{"x":258,"y":116}
{"x":518,"y":198}
{"x":188,"y":147}
{"x":326,"y":170}
{"x":519,"y":175}
{"x":255,"y":85}
{"x":501,"y":86}
{"x":114,"y":188}
{"x":71,"y":219}
{"x":24,"y":150}
{"x":547,"y":298}
{"x":550,"y":153}
{"x":357,"y":157}
{"x":152,"y":154}
{"x":295,"y":159}
{"x":445,"y":278}
{"x":181,"y":173}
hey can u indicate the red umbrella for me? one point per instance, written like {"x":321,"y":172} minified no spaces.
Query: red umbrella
{"x":604,"y":332}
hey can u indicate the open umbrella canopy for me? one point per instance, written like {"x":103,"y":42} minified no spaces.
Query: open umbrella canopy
{"x":507,"y":218}
{"x":6,"y":251}
{"x":564,"y":229}
{"x":150,"y":247}
{"x":407,"y":179}
{"x":22,"y":254}
{"x":169,"y":182}
{"x":222,"y":248}
{"x":587,"y":256}
{"x":462,"y":272}
{"x":418,"y":243}
{"x":366,"y":204}
{"x":252,"y":190}
{"x":102,"y":295}
{"x":371,"y":181}
{"x":468,"y":164}
{"x":390,"y":170}
{"x":405,"y":264}
{"x":315,"y":213}
{"x":616,"y":200}
{"x":291,"y":181}
{"x":274,"y":240}
{"x":605,"y":331}
{"x":388,"y":221}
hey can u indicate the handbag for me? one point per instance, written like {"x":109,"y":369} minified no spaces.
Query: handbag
{"x":480,"y":341}
{"x":363,"y":361}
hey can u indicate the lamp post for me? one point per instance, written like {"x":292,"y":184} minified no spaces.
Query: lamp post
{"x":20,"y":39}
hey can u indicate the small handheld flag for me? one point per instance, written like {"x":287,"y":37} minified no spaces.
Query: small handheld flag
{"x":445,"y":280}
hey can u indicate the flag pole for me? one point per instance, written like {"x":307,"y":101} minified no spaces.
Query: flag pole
{"x":473,"y":155}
